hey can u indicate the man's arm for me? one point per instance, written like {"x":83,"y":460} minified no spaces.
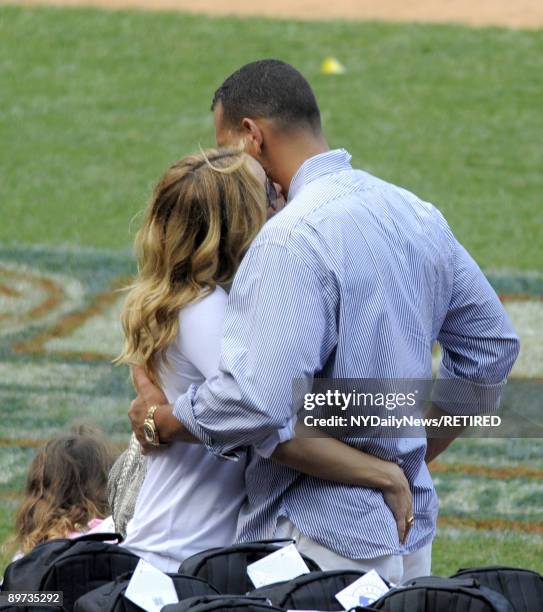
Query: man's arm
{"x":438,"y":441}
{"x":280,"y":326}
{"x":479,"y":348}
{"x":324,"y":457}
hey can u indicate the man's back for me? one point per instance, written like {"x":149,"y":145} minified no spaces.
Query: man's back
{"x":386,"y":261}
{"x":387,"y":258}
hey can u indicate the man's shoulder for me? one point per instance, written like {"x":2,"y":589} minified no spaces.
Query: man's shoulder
{"x":333,"y":197}
{"x":306,"y":209}
{"x":410,"y":210}
{"x":327,"y":214}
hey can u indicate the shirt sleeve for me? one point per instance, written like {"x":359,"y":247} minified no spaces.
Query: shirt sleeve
{"x":478,"y":342}
{"x":280,"y":326}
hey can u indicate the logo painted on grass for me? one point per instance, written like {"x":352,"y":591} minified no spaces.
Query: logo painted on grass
{"x":90,"y":329}
{"x":93,"y":332}
{"x":28,"y":297}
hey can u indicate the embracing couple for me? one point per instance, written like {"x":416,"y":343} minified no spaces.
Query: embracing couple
{"x":271,"y":259}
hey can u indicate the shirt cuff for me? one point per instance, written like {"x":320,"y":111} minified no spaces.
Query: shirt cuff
{"x":183,"y":411}
{"x":267,"y":446}
{"x":456,"y":395}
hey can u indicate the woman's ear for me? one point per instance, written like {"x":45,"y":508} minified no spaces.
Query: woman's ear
{"x":253,"y":137}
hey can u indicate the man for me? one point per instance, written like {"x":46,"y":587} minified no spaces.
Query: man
{"x":355,"y":278}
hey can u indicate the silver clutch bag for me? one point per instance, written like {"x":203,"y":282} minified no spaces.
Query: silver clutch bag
{"x":124,"y":483}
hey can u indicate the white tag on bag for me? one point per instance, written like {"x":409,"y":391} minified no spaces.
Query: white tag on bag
{"x":150,"y":589}
{"x":283,"y":564}
{"x":363,"y":591}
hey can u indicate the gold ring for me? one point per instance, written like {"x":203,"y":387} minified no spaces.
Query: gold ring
{"x":410,"y":520}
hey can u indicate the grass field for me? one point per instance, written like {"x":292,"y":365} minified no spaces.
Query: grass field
{"x":94,"y":105}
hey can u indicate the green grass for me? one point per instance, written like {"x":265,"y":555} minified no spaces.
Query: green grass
{"x":454,"y":549}
{"x":7,"y":516}
{"x":94,"y":105}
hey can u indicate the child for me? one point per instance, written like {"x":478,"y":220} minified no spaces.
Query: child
{"x":65,"y":493}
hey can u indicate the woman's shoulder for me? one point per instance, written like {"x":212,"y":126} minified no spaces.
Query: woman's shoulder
{"x":210,"y":305}
{"x":200,"y":332}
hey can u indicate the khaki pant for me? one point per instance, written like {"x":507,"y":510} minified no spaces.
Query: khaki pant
{"x":394,"y":568}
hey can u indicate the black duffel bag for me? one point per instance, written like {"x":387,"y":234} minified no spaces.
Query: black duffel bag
{"x":73,"y":567}
{"x":226,"y":568}
{"x":313,"y":591}
{"x":523,"y":588}
{"x":110,"y":597}
{"x":435,"y":594}
{"x":232,"y":603}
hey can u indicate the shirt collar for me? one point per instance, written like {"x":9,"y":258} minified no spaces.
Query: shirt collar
{"x":317,"y":166}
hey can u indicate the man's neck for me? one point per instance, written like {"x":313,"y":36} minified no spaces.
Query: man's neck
{"x":292,"y":154}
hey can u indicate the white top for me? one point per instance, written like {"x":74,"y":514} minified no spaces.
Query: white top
{"x":189,"y":500}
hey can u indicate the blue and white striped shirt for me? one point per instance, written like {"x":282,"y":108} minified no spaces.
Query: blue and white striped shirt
{"x":354,"y":278}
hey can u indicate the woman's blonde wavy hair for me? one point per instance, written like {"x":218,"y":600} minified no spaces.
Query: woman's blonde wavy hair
{"x":66,"y":487}
{"x":203,"y":215}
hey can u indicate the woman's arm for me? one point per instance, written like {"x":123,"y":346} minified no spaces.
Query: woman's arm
{"x":330,"y":459}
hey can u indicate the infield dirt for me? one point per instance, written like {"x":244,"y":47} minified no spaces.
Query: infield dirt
{"x":526,"y":14}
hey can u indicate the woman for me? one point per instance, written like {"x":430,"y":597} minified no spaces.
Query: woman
{"x":204,"y":213}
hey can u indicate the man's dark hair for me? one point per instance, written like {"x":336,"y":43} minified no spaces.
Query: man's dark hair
{"x":270,"y":89}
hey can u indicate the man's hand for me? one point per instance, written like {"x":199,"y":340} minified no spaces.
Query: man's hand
{"x":169,"y":428}
{"x":398,"y":498}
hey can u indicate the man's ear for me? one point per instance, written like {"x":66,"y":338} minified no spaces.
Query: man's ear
{"x":253,"y":137}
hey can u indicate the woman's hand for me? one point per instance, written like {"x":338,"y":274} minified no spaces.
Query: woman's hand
{"x":330,"y":459}
{"x":148,"y":395}
{"x":398,"y":498}
{"x":168,"y":427}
